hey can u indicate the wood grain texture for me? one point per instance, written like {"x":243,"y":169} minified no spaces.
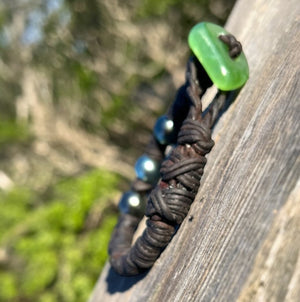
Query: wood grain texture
{"x":243,"y":243}
{"x":276,"y":273}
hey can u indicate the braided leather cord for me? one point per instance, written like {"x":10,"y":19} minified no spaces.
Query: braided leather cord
{"x":169,"y":202}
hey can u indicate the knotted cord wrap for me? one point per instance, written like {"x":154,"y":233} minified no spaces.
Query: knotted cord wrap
{"x":235,"y":47}
{"x":169,"y":202}
{"x":181,"y":171}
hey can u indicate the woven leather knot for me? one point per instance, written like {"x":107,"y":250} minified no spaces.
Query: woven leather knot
{"x":196,"y":133}
{"x":235,"y":47}
{"x":171,"y":204}
{"x":179,"y":164}
{"x":182,"y":172}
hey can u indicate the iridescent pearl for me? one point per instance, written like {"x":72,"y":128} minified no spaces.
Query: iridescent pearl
{"x":164,"y":130}
{"x":132,"y":203}
{"x":147,"y":169}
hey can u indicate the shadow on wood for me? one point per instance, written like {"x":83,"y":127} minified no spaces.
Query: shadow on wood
{"x":119,"y":284}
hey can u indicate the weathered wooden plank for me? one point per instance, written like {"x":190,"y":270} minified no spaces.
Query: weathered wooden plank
{"x":276,"y":273}
{"x":246,"y":214}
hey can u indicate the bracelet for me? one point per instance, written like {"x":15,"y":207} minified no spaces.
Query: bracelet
{"x":169,"y":172}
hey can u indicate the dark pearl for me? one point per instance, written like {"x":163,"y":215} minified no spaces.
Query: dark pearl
{"x":132,"y":203}
{"x":147,"y":169}
{"x":164,"y":130}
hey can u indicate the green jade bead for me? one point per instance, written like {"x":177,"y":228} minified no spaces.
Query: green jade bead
{"x":225,"y":72}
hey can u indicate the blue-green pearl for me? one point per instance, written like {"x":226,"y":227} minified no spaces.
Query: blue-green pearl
{"x":132,"y":203}
{"x":164,"y":130}
{"x":147,"y":169}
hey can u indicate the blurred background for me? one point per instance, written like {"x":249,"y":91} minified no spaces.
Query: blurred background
{"x":81,"y":85}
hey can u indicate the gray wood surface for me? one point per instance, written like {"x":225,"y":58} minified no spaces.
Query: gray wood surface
{"x":243,"y":243}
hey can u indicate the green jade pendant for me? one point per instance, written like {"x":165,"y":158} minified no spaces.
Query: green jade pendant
{"x":225,"y":72}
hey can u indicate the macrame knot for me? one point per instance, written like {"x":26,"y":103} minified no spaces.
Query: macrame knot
{"x":171,"y":204}
{"x":185,"y":168}
{"x":196,"y":133}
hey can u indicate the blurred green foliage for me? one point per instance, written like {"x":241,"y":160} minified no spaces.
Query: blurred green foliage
{"x":12,"y":131}
{"x":56,"y":244}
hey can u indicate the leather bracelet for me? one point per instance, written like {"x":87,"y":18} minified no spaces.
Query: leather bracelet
{"x":169,"y":180}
